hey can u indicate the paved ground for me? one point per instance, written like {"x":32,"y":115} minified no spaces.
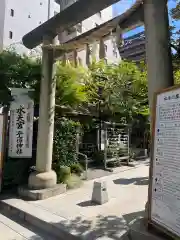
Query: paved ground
{"x":127,"y":191}
{"x":15,"y":230}
{"x":95,"y":172}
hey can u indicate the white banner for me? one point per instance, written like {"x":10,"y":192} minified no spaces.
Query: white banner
{"x":21,"y":124}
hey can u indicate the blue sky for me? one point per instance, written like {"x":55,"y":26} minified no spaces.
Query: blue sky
{"x":123,"y":5}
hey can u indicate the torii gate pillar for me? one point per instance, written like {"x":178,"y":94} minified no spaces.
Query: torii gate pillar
{"x":158,"y":51}
{"x":45,"y":177}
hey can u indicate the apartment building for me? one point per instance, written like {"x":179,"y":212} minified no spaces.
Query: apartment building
{"x":111,"y":50}
{"x":134,"y":48}
{"x":17,"y":17}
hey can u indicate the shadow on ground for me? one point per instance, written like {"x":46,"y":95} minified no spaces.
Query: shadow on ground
{"x":87,"y":204}
{"x":132,"y":216}
{"x":136,"y":181}
{"x":110,"y":226}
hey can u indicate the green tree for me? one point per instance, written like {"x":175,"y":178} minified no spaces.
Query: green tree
{"x":70,"y":88}
{"x":17,"y":71}
{"x":119,"y":89}
{"x":175,"y":12}
{"x":175,"y":40}
{"x":175,"y":34}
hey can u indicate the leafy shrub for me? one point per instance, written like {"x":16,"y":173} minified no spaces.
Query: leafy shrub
{"x":73,"y":181}
{"x":77,"y":169}
{"x":114,"y":164}
{"x":98,"y":156}
{"x":64,"y":152}
{"x":63,"y":173}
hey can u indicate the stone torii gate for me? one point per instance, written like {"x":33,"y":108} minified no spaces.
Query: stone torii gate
{"x":153,"y":13}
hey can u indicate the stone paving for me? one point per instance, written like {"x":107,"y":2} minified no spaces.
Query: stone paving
{"x":15,"y":230}
{"x":127,"y":191}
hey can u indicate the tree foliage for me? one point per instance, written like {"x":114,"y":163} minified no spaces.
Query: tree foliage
{"x":117,"y":89}
{"x":175,"y":33}
{"x":120,"y":89}
{"x":175,"y":12}
{"x":175,"y":40}
{"x":65,"y":152}
{"x":70,"y":89}
{"x":17,"y":71}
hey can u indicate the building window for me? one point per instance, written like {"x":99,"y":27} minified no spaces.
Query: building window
{"x":115,"y":53}
{"x":10,"y":34}
{"x":99,"y":14}
{"x":80,"y":61}
{"x":12,"y":12}
{"x":105,"y":47}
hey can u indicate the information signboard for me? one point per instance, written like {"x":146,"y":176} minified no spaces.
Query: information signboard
{"x":164,"y":188}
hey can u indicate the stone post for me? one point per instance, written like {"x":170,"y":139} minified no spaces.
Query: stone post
{"x":87,"y":55}
{"x":64,"y":59}
{"x":94,"y":50}
{"x":102,"y":52}
{"x":75,"y":60}
{"x":158,"y":52}
{"x":44,"y":177}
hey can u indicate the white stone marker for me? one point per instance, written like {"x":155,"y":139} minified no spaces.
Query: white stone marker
{"x":99,"y":194}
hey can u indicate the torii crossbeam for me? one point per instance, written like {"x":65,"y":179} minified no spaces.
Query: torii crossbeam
{"x":65,"y":19}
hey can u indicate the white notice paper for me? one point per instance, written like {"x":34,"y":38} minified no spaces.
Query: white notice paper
{"x":165,"y":205}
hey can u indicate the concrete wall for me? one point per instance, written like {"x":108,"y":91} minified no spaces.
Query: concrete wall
{"x":2,"y":15}
{"x":27,"y":15}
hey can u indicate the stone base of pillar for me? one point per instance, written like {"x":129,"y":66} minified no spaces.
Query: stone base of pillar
{"x":41,"y":186}
{"x":41,"y":194}
{"x":42,"y":180}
